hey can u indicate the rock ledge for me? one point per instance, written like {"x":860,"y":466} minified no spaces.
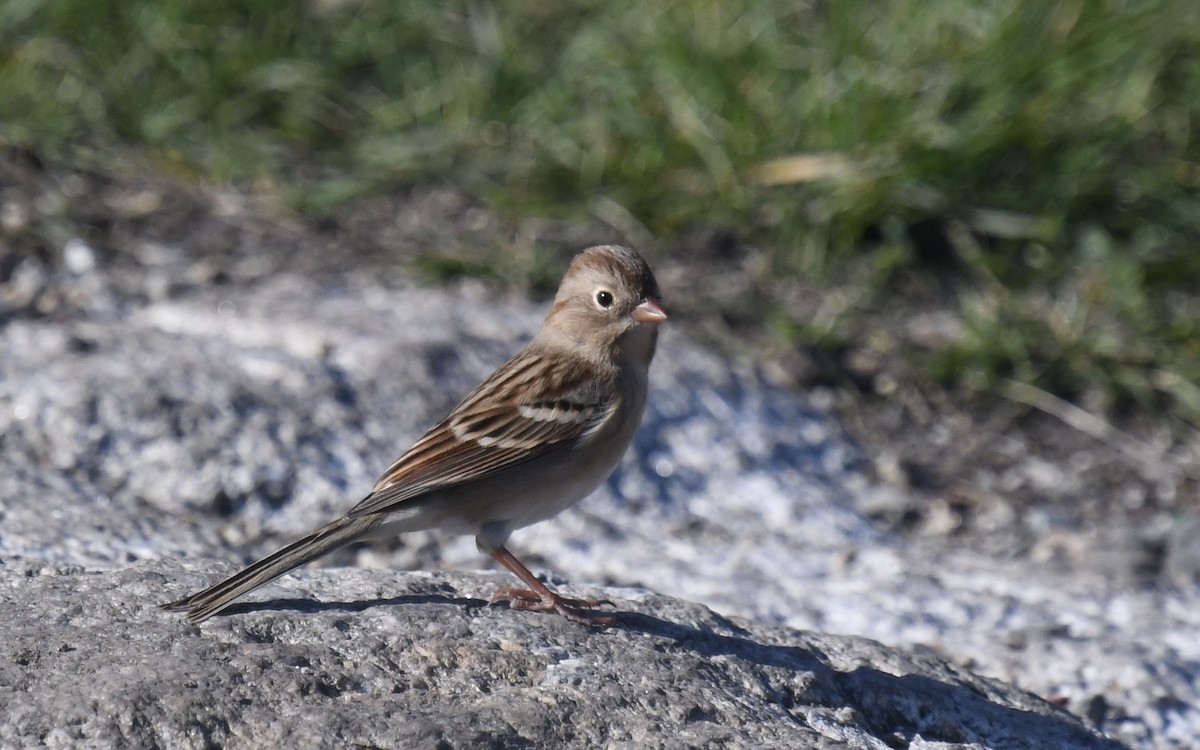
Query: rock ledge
{"x":370,"y":658}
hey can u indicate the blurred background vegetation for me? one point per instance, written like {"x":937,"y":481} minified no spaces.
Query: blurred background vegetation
{"x":1031,"y":167}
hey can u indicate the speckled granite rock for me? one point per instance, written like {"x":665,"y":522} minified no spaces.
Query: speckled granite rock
{"x":362,"y":658}
{"x":216,"y":424}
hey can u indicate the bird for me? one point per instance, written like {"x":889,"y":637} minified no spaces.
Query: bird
{"x":534,"y":438}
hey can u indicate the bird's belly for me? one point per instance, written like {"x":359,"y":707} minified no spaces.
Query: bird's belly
{"x":516,"y":498}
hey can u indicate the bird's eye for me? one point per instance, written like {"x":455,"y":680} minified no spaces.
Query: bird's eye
{"x":604,"y":299}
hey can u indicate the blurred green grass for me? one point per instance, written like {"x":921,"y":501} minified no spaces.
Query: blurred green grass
{"x":1036,"y":164}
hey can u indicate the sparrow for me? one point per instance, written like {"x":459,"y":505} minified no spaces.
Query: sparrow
{"x":537,"y":436}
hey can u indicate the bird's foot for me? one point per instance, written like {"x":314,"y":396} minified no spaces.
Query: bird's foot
{"x":575,"y":610}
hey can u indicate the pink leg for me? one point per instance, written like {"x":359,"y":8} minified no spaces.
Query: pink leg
{"x":539,"y":598}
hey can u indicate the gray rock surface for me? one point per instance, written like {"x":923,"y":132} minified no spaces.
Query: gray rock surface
{"x":213,"y":425}
{"x":419,"y":660}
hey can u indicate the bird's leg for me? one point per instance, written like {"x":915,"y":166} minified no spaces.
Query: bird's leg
{"x":539,"y":598}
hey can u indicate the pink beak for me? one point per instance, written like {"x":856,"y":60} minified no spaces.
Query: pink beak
{"x":650,"y":311}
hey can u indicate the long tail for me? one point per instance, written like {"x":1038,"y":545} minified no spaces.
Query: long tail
{"x":204,"y":604}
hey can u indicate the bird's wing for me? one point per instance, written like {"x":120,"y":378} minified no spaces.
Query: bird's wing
{"x":530,"y":406}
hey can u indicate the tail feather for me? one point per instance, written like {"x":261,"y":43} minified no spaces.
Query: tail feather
{"x":204,"y":604}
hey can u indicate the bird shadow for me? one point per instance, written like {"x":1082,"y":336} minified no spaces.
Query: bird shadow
{"x":359,"y":605}
{"x":891,"y":705}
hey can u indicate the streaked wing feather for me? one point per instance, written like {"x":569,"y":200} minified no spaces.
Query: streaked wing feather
{"x":530,"y":406}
